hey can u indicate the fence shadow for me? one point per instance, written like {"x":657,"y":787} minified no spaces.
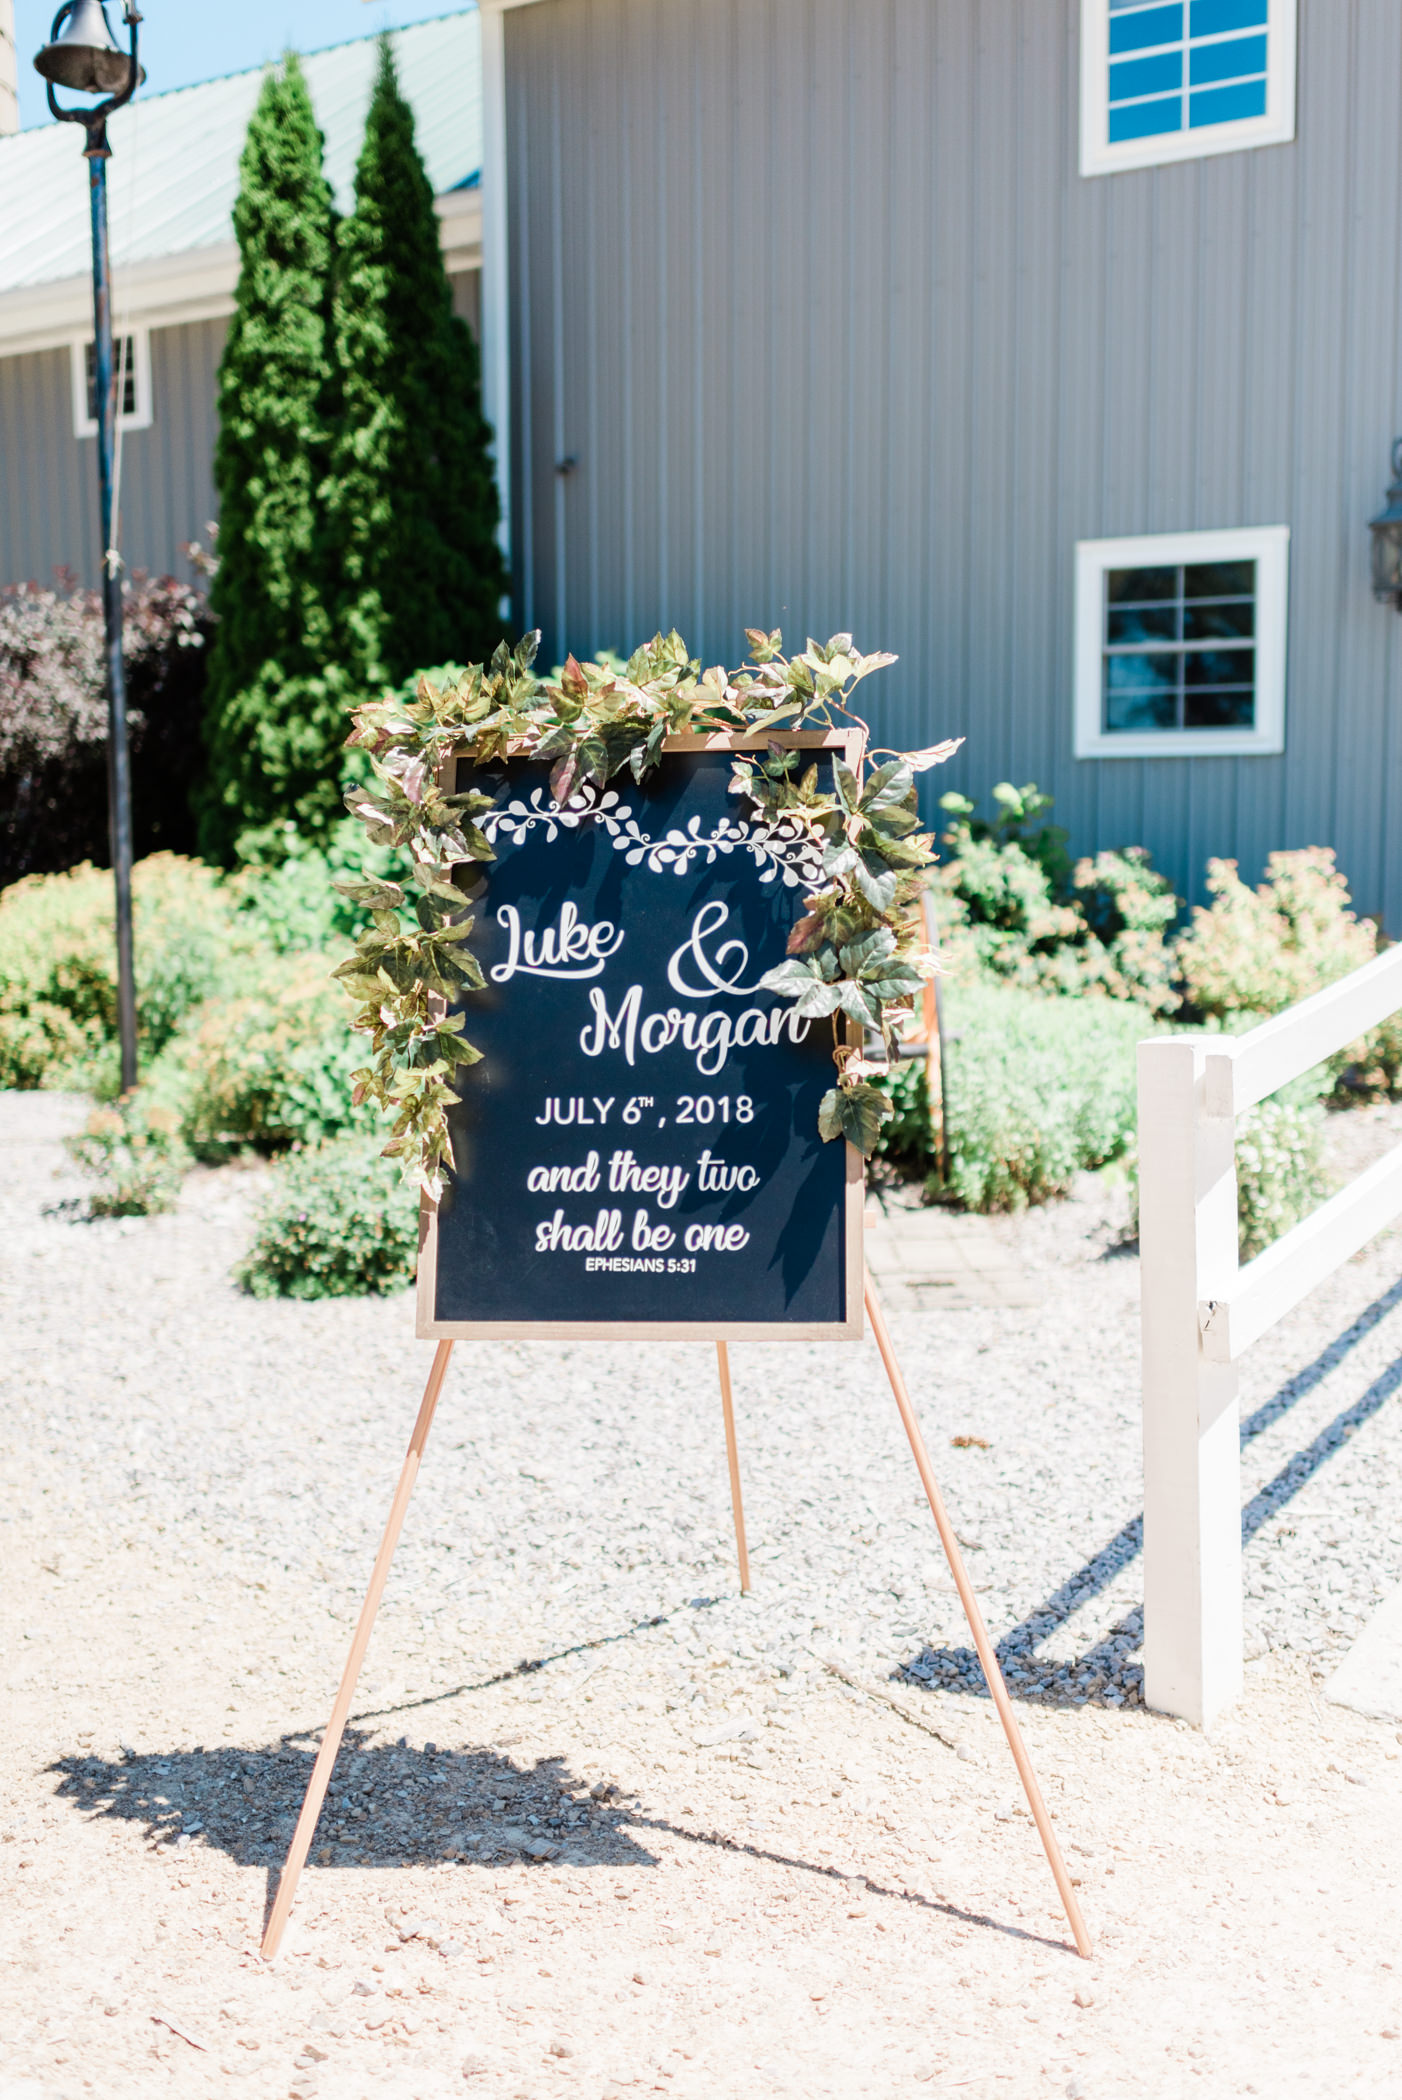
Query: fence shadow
{"x":1107,"y":1674}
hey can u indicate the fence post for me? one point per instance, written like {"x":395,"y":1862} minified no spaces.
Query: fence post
{"x":1192,"y":1452}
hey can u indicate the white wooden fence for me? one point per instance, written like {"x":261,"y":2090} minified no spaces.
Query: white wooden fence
{"x":1202,"y":1311}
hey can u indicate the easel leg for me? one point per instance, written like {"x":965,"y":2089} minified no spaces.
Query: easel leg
{"x":977,"y":1628}
{"x":340,"y":1712}
{"x":733,"y":1460}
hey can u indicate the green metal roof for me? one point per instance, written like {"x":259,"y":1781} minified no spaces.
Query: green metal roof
{"x":174,"y":169}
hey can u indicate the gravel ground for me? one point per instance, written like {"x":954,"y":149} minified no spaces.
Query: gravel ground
{"x":602,"y":1826}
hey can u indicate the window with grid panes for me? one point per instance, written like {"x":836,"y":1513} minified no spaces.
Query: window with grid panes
{"x":1180,"y":643}
{"x":1180,"y":647}
{"x":124,"y":365}
{"x":1174,"y":79}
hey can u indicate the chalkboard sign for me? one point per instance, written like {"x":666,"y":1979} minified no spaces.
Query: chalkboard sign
{"x":638,"y":1152}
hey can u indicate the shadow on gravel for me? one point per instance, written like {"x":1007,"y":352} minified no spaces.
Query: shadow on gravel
{"x":915,"y":1898}
{"x":389,"y":1806}
{"x":1106,"y":1675}
{"x":531,"y":1663}
{"x":419,"y":1807}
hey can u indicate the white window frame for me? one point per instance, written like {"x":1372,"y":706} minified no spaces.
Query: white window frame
{"x":84,"y":425}
{"x":1275,"y":128}
{"x":1269,"y":547}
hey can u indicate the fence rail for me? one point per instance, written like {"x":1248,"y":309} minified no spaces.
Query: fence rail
{"x":1201,"y":1310}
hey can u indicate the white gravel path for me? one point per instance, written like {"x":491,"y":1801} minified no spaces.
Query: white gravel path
{"x":802,"y":1882}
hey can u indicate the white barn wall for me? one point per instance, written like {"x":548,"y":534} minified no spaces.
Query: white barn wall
{"x":48,"y":476}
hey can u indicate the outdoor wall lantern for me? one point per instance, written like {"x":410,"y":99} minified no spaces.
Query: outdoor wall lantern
{"x":82,"y":55}
{"x":1386,"y":529}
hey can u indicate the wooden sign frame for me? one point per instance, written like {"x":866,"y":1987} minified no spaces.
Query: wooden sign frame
{"x":849,"y":744}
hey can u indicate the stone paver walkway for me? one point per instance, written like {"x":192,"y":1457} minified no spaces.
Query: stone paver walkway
{"x":944,"y":1261}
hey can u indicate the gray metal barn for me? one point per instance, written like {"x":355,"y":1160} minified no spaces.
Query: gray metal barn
{"x":864,"y":313}
{"x":1053,"y":344}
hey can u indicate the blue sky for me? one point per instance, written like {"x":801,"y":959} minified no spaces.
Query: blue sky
{"x":188,"y":40}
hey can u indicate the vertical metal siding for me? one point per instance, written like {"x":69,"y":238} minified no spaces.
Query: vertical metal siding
{"x":48,"y":493}
{"x":838,"y":336}
{"x":48,"y":477}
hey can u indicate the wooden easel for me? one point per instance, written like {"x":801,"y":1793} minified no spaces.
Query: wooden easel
{"x":340,"y":1712}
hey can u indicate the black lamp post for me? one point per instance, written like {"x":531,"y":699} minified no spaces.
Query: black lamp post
{"x":82,"y":55}
{"x":1386,"y":529}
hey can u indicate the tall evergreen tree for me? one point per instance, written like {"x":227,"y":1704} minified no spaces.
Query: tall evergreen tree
{"x":275,"y":718}
{"x":411,"y":499}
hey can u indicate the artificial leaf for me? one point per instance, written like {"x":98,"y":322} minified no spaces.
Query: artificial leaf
{"x":871,"y":948}
{"x":791,"y":977}
{"x":849,"y":788}
{"x":555,"y":743}
{"x":859,"y":1113}
{"x":876,"y":882}
{"x":840,"y":856}
{"x":854,"y":999}
{"x":935,"y":755}
{"x":804,"y":933}
{"x":381,"y":895}
{"x":818,"y":999}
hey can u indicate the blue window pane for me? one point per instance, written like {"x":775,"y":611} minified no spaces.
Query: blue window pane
{"x":1149,"y":623}
{"x":1228,"y":105}
{"x":1244,"y":54}
{"x":1130,"y":708}
{"x":1143,"y":586}
{"x":1211,"y":623}
{"x":1144,"y":120}
{"x":1221,"y":17}
{"x":1219,"y":667}
{"x":1138,"y":32}
{"x":1219,"y":579}
{"x":1160,"y":75}
{"x":1230,"y":710}
{"x":1136,"y":672}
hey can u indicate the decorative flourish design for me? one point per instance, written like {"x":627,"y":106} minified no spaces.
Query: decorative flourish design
{"x":515,"y":818}
{"x":782,"y":849}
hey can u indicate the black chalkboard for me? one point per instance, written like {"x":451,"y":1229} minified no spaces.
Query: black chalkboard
{"x":639,"y":1147}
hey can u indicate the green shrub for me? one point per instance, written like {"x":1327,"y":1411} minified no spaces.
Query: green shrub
{"x":291,"y":903}
{"x":1129,"y":910}
{"x":337,"y":1223}
{"x":132,"y":1150}
{"x":1279,"y":1171}
{"x":267,"y":1066}
{"x":1012,"y":906}
{"x":274,"y":721}
{"x":410,"y":502}
{"x":1037,"y":1088}
{"x":1258,"y":951}
{"x":1251,"y":953}
{"x":53,"y":719}
{"x":58,"y":968}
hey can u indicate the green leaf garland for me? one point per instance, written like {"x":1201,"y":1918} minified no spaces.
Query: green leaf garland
{"x":855,"y":955}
